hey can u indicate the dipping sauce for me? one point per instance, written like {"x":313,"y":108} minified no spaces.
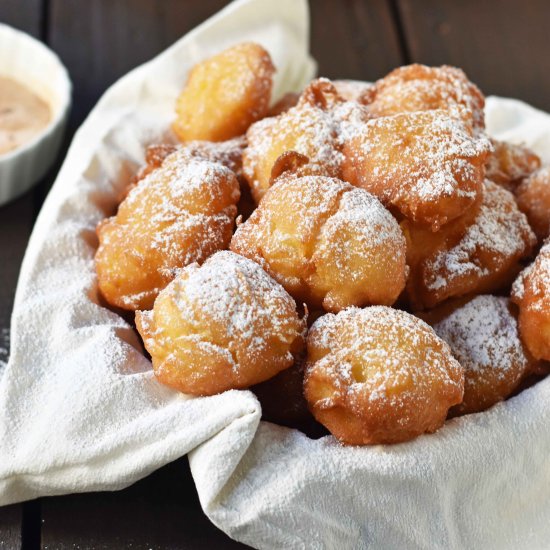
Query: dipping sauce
{"x":23,"y":114}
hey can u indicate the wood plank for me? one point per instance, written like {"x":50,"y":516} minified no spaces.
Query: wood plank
{"x":24,"y":15}
{"x":354,"y":39}
{"x":15,"y":224}
{"x":16,"y":221}
{"x":102,"y":40}
{"x":501,"y":46}
{"x":159,"y":512}
{"x":10,"y":527}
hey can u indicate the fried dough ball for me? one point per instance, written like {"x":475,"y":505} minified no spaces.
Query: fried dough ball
{"x":379,"y":375}
{"x":154,"y":157}
{"x":327,"y":242}
{"x":224,"y":325}
{"x":312,"y":129}
{"x":508,"y":164}
{"x":426,"y":165}
{"x":420,"y":88}
{"x":533,"y":198}
{"x":484,"y":338}
{"x":180,"y":213}
{"x":531,"y":292}
{"x":479,"y":252}
{"x":225,"y":94}
{"x":229,"y":153}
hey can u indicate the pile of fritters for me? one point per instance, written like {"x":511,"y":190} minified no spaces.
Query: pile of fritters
{"x":358,"y":254}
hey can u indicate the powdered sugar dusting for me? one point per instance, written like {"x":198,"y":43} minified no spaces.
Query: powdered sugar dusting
{"x":399,"y":356}
{"x":427,"y":164}
{"x":316,"y":127}
{"x":178,"y":214}
{"x":483,"y":335}
{"x":352,"y":90}
{"x":305,"y":129}
{"x":440,"y":149}
{"x":236,"y":293}
{"x":316,"y":199}
{"x":326,"y":242}
{"x":531,"y":290}
{"x":518,"y":287}
{"x":373,"y":225}
{"x":418,"y":88}
{"x":229,"y":153}
{"x":374,"y":235}
{"x":286,"y":224}
{"x":499,"y":231}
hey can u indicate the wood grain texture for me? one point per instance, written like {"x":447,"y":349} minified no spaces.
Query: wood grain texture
{"x":16,"y":221}
{"x":25,"y":15}
{"x":100,"y":41}
{"x":354,"y":39}
{"x":15,"y":226}
{"x":10,"y":527}
{"x":502,"y":45}
{"x":160,"y":512}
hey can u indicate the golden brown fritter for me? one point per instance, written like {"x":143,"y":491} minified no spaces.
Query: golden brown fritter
{"x":379,"y":375}
{"x":483,"y":335}
{"x":224,"y":325}
{"x":531,"y":292}
{"x":228,"y":153}
{"x":508,"y":164}
{"x":315,"y":129}
{"x":428,"y":166}
{"x":328,"y":243}
{"x":420,"y":88}
{"x":182,"y":212}
{"x":225,"y":94}
{"x":477,"y":253}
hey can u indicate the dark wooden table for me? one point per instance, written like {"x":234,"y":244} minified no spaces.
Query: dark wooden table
{"x":502,"y":45}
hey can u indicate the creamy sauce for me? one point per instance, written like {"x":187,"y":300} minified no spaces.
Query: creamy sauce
{"x":23,"y":115}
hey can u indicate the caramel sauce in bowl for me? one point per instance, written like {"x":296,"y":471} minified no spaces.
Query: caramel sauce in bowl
{"x":35,"y":93}
{"x":23,"y":114}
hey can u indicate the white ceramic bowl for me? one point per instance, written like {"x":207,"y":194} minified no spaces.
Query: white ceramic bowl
{"x":30,"y":62}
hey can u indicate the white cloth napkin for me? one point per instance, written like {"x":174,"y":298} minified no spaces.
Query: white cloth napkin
{"x":80,"y":409}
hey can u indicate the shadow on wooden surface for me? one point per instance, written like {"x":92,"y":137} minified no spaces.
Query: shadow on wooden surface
{"x":159,"y":512}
